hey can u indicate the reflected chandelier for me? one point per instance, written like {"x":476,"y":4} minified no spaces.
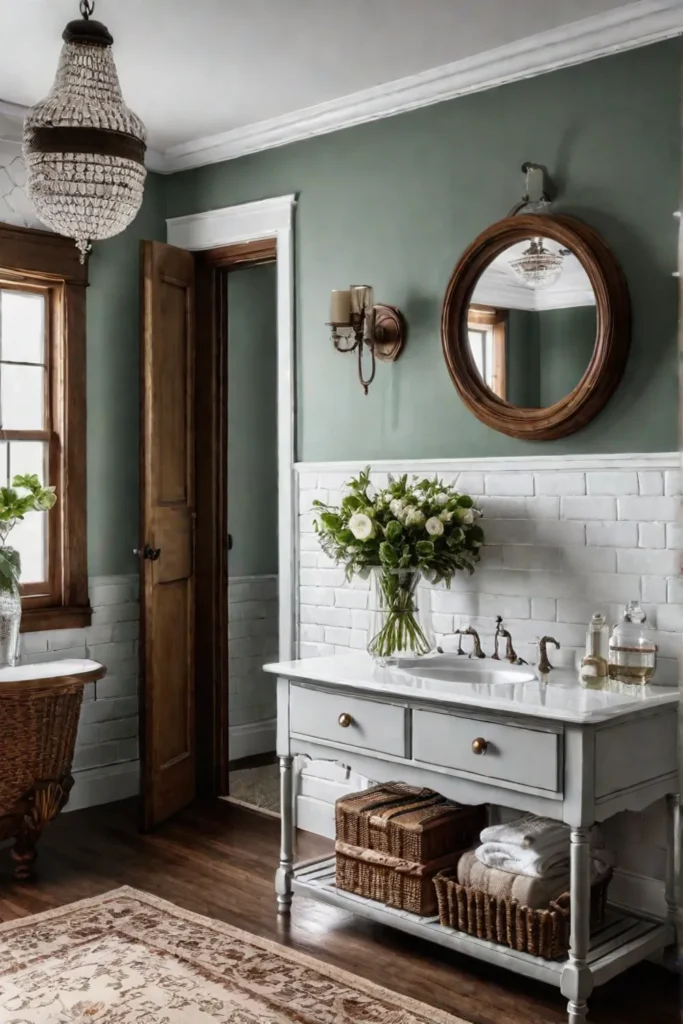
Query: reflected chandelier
{"x":84,"y":149}
{"x":537,"y":266}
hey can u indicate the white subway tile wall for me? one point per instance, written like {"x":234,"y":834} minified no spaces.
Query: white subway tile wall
{"x":106,"y":762}
{"x":562,"y":542}
{"x":253,"y":642}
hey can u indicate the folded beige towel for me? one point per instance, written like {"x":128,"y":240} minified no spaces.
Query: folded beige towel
{"x":536,"y":893}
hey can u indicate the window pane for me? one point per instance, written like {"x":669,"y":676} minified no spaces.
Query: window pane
{"x":22,"y":397}
{"x":29,"y":537}
{"x":489,"y":357}
{"x":477,"y":349}
{"x":22,"y":326}
{"x":27,"y":457}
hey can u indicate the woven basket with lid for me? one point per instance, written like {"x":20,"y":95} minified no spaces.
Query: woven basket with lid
{"x":413,"y":824}
{"x":392,"y":840}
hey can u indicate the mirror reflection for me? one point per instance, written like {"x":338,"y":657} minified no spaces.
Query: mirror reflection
{"x":532,"y":323}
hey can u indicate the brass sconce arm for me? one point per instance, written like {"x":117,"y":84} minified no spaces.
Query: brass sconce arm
{"x":357,"y":323}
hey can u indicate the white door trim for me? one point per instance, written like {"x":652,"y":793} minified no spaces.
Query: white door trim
{"x":269,"y":218}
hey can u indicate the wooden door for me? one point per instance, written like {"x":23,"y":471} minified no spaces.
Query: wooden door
{"x":167,"y":488}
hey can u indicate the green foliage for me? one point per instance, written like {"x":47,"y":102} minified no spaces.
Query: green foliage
{"x":424,"y":525}
{"x":26,"y":494}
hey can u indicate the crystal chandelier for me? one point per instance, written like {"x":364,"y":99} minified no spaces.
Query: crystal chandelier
{"x":537,"y":266}
{"x":84,"y":149}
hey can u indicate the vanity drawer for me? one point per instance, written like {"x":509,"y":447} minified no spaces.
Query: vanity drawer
{"x":528,"y":757}
{"x":368,"y":723}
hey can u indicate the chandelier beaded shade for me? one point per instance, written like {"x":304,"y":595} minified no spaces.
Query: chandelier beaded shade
{"x":84,"y":148}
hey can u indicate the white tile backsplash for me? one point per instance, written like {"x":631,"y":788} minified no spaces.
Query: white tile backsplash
{"x":563,"y":541}
{"x":106,"y":760}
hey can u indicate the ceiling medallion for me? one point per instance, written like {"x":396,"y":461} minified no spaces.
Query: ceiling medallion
{"x":84,"y":148}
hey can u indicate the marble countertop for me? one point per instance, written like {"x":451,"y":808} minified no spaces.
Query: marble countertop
{"x":561,"y":698}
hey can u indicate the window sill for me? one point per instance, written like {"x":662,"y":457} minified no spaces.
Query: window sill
{"x":35,"y":620}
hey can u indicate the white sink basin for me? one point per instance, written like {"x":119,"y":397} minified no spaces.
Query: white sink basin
{"x":461,"y":669}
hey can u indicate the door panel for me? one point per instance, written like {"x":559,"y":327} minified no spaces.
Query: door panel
{"x":167,"y":527}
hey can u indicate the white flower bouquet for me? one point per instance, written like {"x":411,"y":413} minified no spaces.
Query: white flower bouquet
{"x":401,"y":533}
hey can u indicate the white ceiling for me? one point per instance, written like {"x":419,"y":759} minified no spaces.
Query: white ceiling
{"x":214,"y":79}
{"x":192,"y":69}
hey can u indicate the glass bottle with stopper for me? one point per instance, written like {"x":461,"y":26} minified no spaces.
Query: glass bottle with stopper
{"x":632,"y":651}
{"x":594,"y":665}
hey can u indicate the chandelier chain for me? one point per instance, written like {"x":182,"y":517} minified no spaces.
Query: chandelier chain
{"x":87,"y":8}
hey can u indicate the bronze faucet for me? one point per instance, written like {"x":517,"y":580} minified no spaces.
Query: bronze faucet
{"x":476,"y":646}
{"x":544,"y":665}
{"x":510,"y":653}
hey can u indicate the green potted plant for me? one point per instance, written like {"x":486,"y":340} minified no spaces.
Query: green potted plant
{"x":398,"y":535}
{"x":26,"y":494}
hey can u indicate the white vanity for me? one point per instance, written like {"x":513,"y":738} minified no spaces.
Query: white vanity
{"x":487,"y":732}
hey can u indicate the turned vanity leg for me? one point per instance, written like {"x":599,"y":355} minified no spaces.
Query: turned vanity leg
{"x":283,"y":876}
{"x":577,"y":980}
{"x":673,"y":864}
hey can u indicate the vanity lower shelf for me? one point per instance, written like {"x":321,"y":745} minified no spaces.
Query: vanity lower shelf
{"x":624,"y":939}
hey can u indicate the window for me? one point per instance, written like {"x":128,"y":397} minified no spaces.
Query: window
{"x":42,"y":417}
{"x":487,"y":333}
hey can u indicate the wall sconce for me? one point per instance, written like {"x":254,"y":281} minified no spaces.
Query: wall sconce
{"x":358,"y":323}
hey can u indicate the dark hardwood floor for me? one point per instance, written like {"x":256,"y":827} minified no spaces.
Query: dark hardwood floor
{"x":218,"y":860}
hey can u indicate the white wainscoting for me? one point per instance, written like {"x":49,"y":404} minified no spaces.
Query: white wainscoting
{"x":252,"y":643}
{"x":566,"y":536}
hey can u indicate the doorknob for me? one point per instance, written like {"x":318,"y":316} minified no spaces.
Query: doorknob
{"x":147,"y":552}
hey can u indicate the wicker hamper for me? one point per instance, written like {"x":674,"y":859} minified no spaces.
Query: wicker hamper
{"x":38,"y":723}
{"x":393,"y":839}
{"x":543,"y":933}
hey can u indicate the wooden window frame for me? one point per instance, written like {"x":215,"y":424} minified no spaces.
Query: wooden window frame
{"x":488,"y":316}
{"x":30,"y":260}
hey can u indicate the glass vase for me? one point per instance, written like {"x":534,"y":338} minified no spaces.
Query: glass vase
{"x":10,"y":620}
{"x":400,"y":616}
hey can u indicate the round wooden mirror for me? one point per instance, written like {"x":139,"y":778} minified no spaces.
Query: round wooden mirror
{"x":536,"y":326}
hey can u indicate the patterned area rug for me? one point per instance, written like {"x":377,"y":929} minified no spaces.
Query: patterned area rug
{"x":128,"y":957}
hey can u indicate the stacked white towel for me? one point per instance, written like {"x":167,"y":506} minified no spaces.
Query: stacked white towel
{"x":536,"y":847}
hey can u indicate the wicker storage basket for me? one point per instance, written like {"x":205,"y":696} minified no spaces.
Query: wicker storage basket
{"x":416,"y":825}
{"x":38,"y":723}
{"x":543,"y":933}
{"x":393,"y":839}
{"x":390,"y":880}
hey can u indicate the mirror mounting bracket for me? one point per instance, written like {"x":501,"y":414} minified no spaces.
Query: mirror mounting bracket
{"x":537,"y":191}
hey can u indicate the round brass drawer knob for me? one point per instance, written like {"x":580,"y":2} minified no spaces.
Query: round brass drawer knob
{"x":345,"y":720}
{"x":479,"y":746}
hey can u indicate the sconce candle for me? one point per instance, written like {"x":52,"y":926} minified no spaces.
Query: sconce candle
{"x":357,"y":323}
{"x":340,"y":307}
{"x":361,"y":298}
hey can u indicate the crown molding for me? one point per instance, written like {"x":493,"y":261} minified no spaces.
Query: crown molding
{"x":635,"y":24}
{"x":625,"y":28}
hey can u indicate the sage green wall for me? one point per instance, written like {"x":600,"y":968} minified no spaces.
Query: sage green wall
{"x":548,"y":352}
{"x":395,"y":202}
{"x":252,"y":421}
{"x":566,"y":341}
{"x":113,"y":389}
{"x":522,"y":364}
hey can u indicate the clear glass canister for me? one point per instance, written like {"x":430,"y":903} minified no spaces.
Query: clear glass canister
{"x":632,"y":651}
